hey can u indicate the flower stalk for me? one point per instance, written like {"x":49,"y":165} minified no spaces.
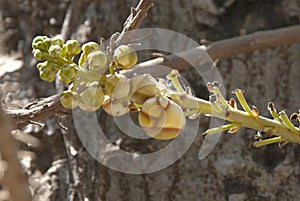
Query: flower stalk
{"x":268,"y":141}
{"x":285,"y":120}
{"x":221,"y":129}
{"x":244,"y":119}
{"x":240,"y":96}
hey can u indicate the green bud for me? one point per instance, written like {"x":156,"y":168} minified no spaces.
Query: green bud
{"x":125,"y":56}
{"x":47,"y":75}
{"x":39,"y":55}
{"x":54,"y":50}
{"x":90,"y":47}
{"x":47,"y":64}
{"x":63,"y":52}
{"x":91,"y":98}
{"x":87,"y":48}
{"x":39,"y":45}
{"x":47,"y":43}
{"x":36,"y":40}
{"x":42,"y":65}
{"x":41,"y":42}
{"x":73,"y":47}
{"x":69,"y":99}
{"x":117,"y":86}
{"x":97,"y":61}
{"x":82,"y":59}
{"x":68,"y":73}
{"x":47,"y":70}
{"x":57,"y":41}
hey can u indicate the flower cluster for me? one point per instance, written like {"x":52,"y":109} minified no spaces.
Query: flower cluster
{"x":96,"y":82}
{"x":57,"y":58}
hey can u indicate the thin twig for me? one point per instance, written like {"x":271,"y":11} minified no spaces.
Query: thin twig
{"x":134,"y":20}
{"x":14,"y":178}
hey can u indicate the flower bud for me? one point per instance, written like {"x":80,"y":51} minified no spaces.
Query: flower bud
{"x":161,"y":118}
{"x":91,"y":98}
{"x":39,"y":45}
{"x":117,"y":86}
{"x":47,"y":43}
{"x":63,"y":51}
{"x":90,"y":47}
{"x":87,"y":48}
{"x":36,"y":40}
{"x":97,"y":61}
{"x":69,"y":99}
{"x":142,"y":88}
{"x":116,"y":107}
{"x":54,"y":50}
{"x":47,"y":75}
{"x":47,"y":70}
{"x":125,"y":56}
{"x":73,"y":47}
{"x":68,"y":73}
{"x":57,"y":41}
{"x":39,"y":55}
{"x":41,"y":65}
{"x":41,"y":42}
{"x":82,"y":59}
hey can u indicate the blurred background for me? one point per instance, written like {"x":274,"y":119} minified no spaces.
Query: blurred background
{"x":235,"y":170}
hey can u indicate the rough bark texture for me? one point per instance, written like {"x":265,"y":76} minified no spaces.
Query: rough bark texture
{"x":235,"y":170}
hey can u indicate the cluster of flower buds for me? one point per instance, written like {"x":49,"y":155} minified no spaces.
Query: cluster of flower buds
{"x":95,"y":86}
{"x":57,"y":58}
{"x":95,"y":82}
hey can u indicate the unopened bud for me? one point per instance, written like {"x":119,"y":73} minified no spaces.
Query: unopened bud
{"x":97,"y":61}
{"x":125,"y":56}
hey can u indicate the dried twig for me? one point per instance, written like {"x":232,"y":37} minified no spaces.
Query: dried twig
{"x":134,"y":20}
{"x":14,"y":178}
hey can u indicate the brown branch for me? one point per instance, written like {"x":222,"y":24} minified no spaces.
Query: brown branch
{"x":256,"y":41}
{"x":36,"y":112}
{"x":134,"y":20}
{"x":229,"y":47}
{"x":14,"y":178}
{"x":220,"y":49}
